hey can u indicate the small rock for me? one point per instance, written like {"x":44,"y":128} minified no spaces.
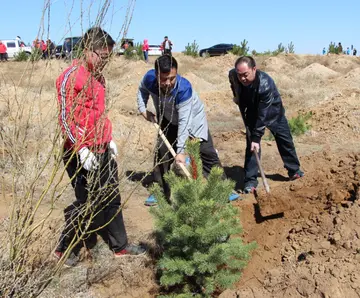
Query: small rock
{"x":346,"y":204}
{"x":325,"y":245}
{"x":295,"y":246}
{"x":337,"y":220}
{"x":347,"y":245}
{"x":305,"y":288}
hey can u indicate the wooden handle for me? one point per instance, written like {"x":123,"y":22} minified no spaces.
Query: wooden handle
{"x":266,"y":185}
{"x":263,"y":178}
{"x":171,"y":149}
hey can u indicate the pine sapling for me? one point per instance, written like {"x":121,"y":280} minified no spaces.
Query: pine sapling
{"x":198,"y":232}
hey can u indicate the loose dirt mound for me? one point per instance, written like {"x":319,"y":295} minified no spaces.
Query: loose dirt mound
{"x":351,"y":79}
{"x":316,"y":245}
{"x":316,"y":70}
{"x":276,"y":64}
{"x":343,"y":64}
{"x":199,"y":83}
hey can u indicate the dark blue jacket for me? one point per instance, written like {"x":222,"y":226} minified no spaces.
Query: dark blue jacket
{"x":260,"y":103}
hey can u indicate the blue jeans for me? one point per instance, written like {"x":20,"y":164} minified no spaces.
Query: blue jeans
{"x":146,"y":55}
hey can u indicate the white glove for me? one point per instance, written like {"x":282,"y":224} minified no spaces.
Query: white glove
{"x":113,"y":149}
{"x":88,"y":159}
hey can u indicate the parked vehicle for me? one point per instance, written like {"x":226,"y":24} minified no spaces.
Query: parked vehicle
{"x":217,"y":50}
{"x":14,"y":47}
{"x":61,"y":51}
{"x":155,"y":50}
{"x":123,"y":45}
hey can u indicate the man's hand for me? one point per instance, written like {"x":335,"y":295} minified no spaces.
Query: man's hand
{"x":113,"y":149}
{"x":255,"y":146}
{"x":180,"y":158}
{"x":149,"y":116}
{"x":88,"y":159}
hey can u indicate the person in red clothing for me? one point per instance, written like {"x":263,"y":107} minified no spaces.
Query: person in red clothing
{"x":90,"y":152}
{"x":145,"y":49}
{"x":3,"y":52}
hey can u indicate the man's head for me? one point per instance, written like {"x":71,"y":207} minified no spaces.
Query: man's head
{"x":166,"y":38}
{"x":245,"y":67}
{"x":97,"y":47}
{"x":166,"y":71}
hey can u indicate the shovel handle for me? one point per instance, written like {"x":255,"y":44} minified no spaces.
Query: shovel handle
{"x":263,"y":178}
{"x":171,"y":149}
{"x":266,"y":185}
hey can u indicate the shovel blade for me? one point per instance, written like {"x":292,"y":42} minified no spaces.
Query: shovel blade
{"x":269,"y":204}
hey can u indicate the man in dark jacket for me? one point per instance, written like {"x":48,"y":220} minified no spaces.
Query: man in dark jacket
{"x":261,"y":106}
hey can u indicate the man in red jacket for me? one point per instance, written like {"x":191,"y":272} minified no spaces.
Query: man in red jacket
{"x":3,"y":50}
{"x":89,"y":152}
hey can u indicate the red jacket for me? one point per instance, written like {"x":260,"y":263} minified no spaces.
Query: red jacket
{"x":145,"y":46}
{"x":3,"y":49}
{"x":82,"y":117}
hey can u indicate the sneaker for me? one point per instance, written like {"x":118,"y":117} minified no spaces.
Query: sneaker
{"x":151,"y":201}
{"x":234,"y":197}
{"x":71,"y":261}
{"x":249,"y":189}
{"x":131,"y":250}
{"x":298,"y":174}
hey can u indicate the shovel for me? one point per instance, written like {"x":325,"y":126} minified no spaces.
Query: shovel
{"x":234,"y":195}
{"x":269,"y":205}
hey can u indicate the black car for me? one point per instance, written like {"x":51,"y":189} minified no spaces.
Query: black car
{"x":67,"y":46}
{"x":217,"y":50}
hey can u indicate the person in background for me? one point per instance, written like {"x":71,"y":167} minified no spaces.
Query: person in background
{"x":50,"y":48}
{"x":324,"y":51}
{"x":145,"y":49}
{"x":90,"y":151}
{"x":43,"y":47}
{"x":340,"y":48}
{"x":3,"y":52}
{"x":354,"y":52}
{"x":67,"y":49}
{"x":348,"y":51}
{"x":167,"y":46}
{"x":261,"y":106}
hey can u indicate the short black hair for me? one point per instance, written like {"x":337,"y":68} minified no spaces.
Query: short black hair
{"x":165,"y":63}
{"x":250,"y":61}
{"x":166,"y":36}
{"x":96,"y":38}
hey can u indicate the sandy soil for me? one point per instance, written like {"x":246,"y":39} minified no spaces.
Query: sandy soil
{"x":313,"y":250}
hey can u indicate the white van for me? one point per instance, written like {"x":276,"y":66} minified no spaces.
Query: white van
{"x":13,"y":47}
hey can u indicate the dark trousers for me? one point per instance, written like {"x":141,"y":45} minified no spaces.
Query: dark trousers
{"x":3,"y":57}
{"x":96,"y":192}
{"x":164,"y":159}
{"x":281,"y":131}
{"x":167,"y":52}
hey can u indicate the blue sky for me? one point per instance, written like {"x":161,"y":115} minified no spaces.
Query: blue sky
{"x":310,"y":25}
